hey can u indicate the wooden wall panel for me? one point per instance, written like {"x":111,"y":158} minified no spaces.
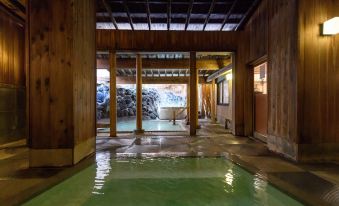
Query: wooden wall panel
{"x":282,"y":70}
{"x":62,"y":73}
{"x":258,"y":29}
{"x":12,"y":70}
{"x":319,"y":74}
{"x":84,"y":76}
{"x":12,"y":78}
{"x":166,"y":40}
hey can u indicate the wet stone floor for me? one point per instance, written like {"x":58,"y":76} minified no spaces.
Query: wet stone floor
{"x":311,"y":184}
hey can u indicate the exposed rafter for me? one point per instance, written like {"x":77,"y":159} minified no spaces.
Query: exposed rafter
{"x":128,"y":14}
{"x":189,"y":14}
{"x":228,"y":14}
{"x":109,"y":11}
{"x":209,"y":14}
{"x":169,"y":14}
{"x":246,"y":15}
{"x":148,"y":15}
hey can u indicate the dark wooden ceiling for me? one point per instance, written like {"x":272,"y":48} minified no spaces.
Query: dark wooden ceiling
{"x":197,"y":15}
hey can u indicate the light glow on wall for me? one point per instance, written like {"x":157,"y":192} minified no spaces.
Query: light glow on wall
{"x":331,"y":26}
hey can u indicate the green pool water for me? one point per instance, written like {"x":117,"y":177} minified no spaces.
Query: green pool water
{"x":163,"y":181}
{"x":129,"y":124}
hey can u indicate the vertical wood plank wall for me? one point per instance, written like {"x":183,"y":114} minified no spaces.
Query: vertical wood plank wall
{"x":318,"y":81}
{"x":62,"y":80}
{"x":282,"y":67}
{"x":12,"y":77}
{"x":303,"y":76}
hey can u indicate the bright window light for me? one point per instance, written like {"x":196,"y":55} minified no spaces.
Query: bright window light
{"x":331,"y":27}
{"x":229,"y":76}
{"x":103,"y":73}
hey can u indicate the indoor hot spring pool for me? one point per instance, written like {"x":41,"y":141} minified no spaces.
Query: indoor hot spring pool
{"x":163,"y":181}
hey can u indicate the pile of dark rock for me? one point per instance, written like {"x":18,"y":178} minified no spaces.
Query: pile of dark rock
{"x":102,"y":101}
{"x":126,"y":102}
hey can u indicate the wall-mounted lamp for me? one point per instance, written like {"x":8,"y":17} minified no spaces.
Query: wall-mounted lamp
{"x":331,"y":26}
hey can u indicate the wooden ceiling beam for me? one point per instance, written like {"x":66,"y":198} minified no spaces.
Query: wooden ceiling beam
{"x":163,"y":64}
{"x":128,"y":15}
{"x":169,"y":14}
{"x":247,"y":14}
{"x":189,"y":14}
{"x":168,"y":41}
{"x":209,"y":14}
{"x":228,"y":14}
{"x":108,"y":9}
{"x":157,"y":80}
{"x":149,"y":21}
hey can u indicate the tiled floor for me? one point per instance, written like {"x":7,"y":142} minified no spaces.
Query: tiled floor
{"x":314,"y":184}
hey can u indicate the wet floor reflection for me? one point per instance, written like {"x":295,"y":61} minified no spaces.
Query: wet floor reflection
{"x":103,"y":168}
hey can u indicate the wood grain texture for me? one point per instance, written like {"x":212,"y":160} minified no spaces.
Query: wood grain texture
{"x":318,"y":82}
{"x":12,"y":50}
{"x":62,"y":73}
{"x":282,"y":70}
{"x":193,"y":92}
{"x":166,"y":40}
{"x":203,"y":64}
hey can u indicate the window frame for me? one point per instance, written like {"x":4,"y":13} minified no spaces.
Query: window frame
{"x":220,"y":85}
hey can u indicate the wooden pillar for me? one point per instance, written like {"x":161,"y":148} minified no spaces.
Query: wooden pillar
{"x":203,"y":100}
{"x":113,"y":91}
{"x":188,"y":104}
{"x":193,"y":94}
{"x":62,"y":81}
{"x":213,"y":102}
{"x":139,"y":129}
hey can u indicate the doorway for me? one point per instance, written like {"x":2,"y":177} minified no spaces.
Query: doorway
{"x":260,"y":101}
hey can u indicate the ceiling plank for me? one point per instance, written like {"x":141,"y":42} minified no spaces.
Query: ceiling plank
{"x":228,"y":14}
{"x":209,"y":14}
{"x":108,"y":9}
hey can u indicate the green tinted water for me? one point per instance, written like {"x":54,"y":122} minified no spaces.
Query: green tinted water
{"x":163,"y":181}
{"x":148,"y":125}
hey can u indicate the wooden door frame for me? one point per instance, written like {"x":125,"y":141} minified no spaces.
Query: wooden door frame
{"x":251,"y":66}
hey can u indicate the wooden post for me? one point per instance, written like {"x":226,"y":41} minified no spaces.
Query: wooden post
{"x":113,"y":99}
{"x":62,"y":81}
{"x":139,"y":129}
{"x":203,"y":97}
{"x":188,"y":104}
{"x":193,"y":94}
{"x":213,"y":102}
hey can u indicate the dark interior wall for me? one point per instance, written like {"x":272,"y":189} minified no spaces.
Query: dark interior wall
{"x":12,"y":77}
